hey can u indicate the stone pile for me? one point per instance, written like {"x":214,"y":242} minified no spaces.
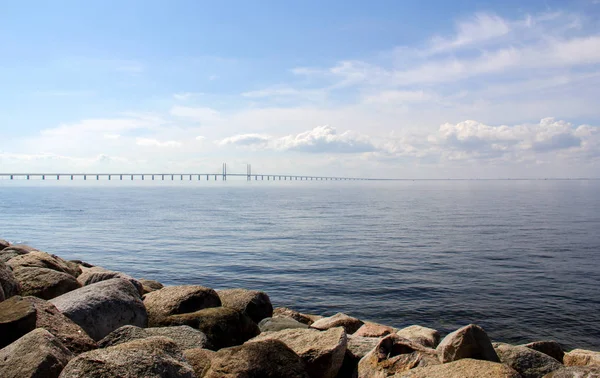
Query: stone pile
{"x":70,"y":319}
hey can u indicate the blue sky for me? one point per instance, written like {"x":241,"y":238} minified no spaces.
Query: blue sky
{"x":395,"y":88}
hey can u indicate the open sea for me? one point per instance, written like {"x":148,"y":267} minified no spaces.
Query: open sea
{"x":519,"y":258}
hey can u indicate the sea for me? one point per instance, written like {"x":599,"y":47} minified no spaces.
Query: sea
{"x":521,"y":258}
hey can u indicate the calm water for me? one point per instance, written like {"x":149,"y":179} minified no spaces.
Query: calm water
{"x":520,"y":258}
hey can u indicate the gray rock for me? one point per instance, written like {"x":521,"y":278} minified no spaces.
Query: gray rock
{"x":323,"y":352}
{"x":279,"y":324}
{"x":581,"y":357}
{"x":467,"y":342}
{"x":102,"y":307}
{"x":357,"y":348}
{"x":184,"y":336}
{"x":199,"y":359}
{"x":349,"y":323}
{"x":9,"y":284}
{"x":255,"y":304}
{"x":425,"y":336}
{"x":576,"y":372}
{"x":551,"y":348}
{"x":527,"y":362}
{"x":44,"y":283}
{"x":38,"y":259}
{"x":465,"y":368}
{"x":284,"y":312}
{"x":154,"y":357}
{"x":150,"y":285}
{"x":268,"y":358}
{"x":38,"y":354}
{"x":175,"y":300}
{"x":95,"y":274}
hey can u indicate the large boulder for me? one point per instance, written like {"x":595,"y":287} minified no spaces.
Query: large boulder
{"x":370,"y":329}
{"x":394,"y":354}
{"x":154,"y":357}
{"x":95,"y":274}
{"x":38,"y":354}
{"x":199,"y":359}
{"x":279,"y":324}
{"x":581,"y":357}
{"x":14,"y":251}
{"x":575,"y":372}
{"x":8,"y":283}
{"x":255,"y":304}
{"x":465,"y":368}
{"x":175,"y":300}
{"x":323,"y":352}
{"x":38,"y":259}
{"x":44,"y":283}
{"x":150,"y":285}
{"x":184,"y":336}
{"x":102,"y":307}
{"x":349,"y":323}
{"x":527,"y":362}
{"x":425,"y":336}
{"x":357,"y":348}
{"x":467,"y":342}
{"x":284,"y":312}
{"x":20,"y":315}
{"x":223,"y":326}
{"x":268,"y":358}
{"x":4,"y":244}
{"x":551,"y":348}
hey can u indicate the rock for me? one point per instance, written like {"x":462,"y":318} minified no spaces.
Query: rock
{"x":255,"y":304}
{"x":268,"y":358}
{"x":467,"y":342}
{"x":581,"y":357}
{"x":223,"y":326}
{"x":20,"y":315}
{"x":43,"y":282}
{"x":102,"y":307}
{"x":527,"y":362}
{"x":349,"y":323}
{"x":150,"y":285}
{"x":95,"y":274}
{"x":38,"y":354}
{"x":284,"y":312}
{"x":199,"y":359}
{"x":465,"y":368}
{"x":551,"y":348}
{"x":175,"y":300}
{"x":323,"y":352}
{"x":2,"y":297}
{"x":154,"y":357}
{"x":8,"y":283}
{"x":184,"y":336}
{"x":576,"y":372}
{"x":394,"y":354}
{"x":38,"y":259}
{"x":4,"y":244}
{"x":357,"y":348}
{"x":13,"y":251}
{"x":425,"y":336}
{"x":370,"y":329}
{"x":81,"y":264}
{"x":279,"y":324}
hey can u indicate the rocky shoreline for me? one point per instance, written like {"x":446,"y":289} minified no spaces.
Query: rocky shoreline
{"x":69,"y":319}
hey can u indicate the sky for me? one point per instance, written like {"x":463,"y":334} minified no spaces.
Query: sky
{"x":394,"y":89}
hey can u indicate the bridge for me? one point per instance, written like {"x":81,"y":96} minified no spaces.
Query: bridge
{"x":177,"y":176}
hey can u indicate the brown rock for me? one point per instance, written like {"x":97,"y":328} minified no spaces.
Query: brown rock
{"x":527,"y":362}
{"x":8,"y":283}
{"x":150,"y":285}
{"x":154,"y":357}
{"x":175,"y":300}
{"x":551,"y":348}
{"x":425,"y":336}
{"x":268,"y":358}
{"x":95,"y":274}
{"x":581,"y":357}
{"x":38,"y":354}
{"x":284,"y":312}
{"x":3,"y":244}
{"x":576,"y":372}
{"x":279,"y":324}
{"x":44,"y":283}
{"x":465,"y":368}
{"x":467,"y":342}
{"x":255,"y":304}
{"x":199,"y":359}
{"x":14,"y":251}
{"x":394,"y":354}
{"x":370,"y":329}
{"x":184,"y":336}
{"x":349,"y":323}
{"x":323,"y":352}
{"x":357,"y":348}
{"x":38,"y":259}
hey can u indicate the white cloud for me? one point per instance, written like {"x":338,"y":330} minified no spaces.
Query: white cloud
{"x":398,"y":97}
{"x":184,"y":96}
{"x":149,"y":142}
{"x":325,"y":139}
{"x":112,"y":136}
{"x":203,"y":115}
{"x":200,"y":138}
{"x":245,"y":140}
{"x":482,"y":27}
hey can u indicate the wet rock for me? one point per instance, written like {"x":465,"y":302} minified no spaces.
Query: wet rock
{"x":279,"y":324}
{"x":102,"y":307}
{"x":323,"y":352}
{"x":527,"y":362}
{"x":550,"y":348}
{"x":175,"y":300}
{"x":268,"y":358}
{"x":184,"y":336}
{"x":425,"y":336}
{"x":581,"y":357}
{"x":223,"y":326}
{"x":394,"y":354}
{"x":199,"y":359}
{"x":467,"y":342}
{"x":284,"y":312}
{"x":465,"y":368}
{"x":357,"y":348}
{"x":43,"y":282}
{"x":576,"y":372}
{"x":96,"y":274}
{"x":154,"y":357}
{"x":349,"y":323}
{"x":9,"y":284}
{"x":150,"y":285}
{"x":255,"y":304}
{"x":38,"y":259}
{"x":370,"y":329}
{"x":38,"y":354}
{"x":4,"y":244}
